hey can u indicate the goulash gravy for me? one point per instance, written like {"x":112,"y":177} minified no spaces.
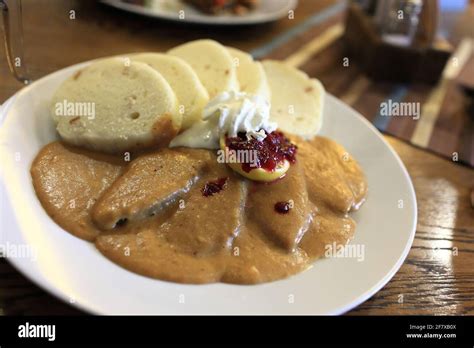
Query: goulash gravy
{"x":179,"y":215}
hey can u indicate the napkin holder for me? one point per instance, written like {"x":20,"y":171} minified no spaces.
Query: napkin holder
{"x":382,"y":61}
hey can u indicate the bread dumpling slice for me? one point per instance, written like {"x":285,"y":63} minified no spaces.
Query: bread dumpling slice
{"x":212,"y":63}
{"x":297,"y":101}
{"x":114,"y":106}
{"x":251,"y":75}
{"x":192,"y":95}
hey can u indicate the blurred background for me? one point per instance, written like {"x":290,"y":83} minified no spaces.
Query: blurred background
{"x":58,"y":33}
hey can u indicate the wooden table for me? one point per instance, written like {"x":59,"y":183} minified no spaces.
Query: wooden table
{"x":438,"y":275}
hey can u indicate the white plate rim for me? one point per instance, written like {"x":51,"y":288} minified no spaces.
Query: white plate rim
{"x":23,"y":267}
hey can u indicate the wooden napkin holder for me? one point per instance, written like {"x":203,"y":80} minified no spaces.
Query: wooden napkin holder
{"x":385,"y":62}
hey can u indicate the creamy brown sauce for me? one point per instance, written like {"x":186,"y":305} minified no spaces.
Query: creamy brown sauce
{"x":151,"y":216}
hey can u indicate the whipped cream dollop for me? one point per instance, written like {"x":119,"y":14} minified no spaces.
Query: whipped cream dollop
{"x":228,"y":113}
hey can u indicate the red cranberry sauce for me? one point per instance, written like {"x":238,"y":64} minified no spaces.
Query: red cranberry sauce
{"x":282,"y":207}
{"x":215,"y":186}
{"x":274,"y":149}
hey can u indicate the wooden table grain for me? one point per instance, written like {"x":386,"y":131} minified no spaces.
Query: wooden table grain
{"x":438,"y":274}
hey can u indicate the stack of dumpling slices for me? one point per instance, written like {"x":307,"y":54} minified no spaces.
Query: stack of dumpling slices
{"x":144,"y":100}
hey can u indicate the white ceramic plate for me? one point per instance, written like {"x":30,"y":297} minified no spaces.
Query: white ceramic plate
{"x":266,"y":11}
{"x":76,"y":272}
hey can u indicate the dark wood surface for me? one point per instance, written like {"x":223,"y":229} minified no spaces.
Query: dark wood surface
{"x":438,"y":275}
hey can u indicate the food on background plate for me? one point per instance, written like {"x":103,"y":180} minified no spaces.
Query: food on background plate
{"x":245,"y":192}
{"x":238,"y":7}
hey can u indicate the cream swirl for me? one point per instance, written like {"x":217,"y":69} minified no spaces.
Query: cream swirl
{"x":229,"y":113}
